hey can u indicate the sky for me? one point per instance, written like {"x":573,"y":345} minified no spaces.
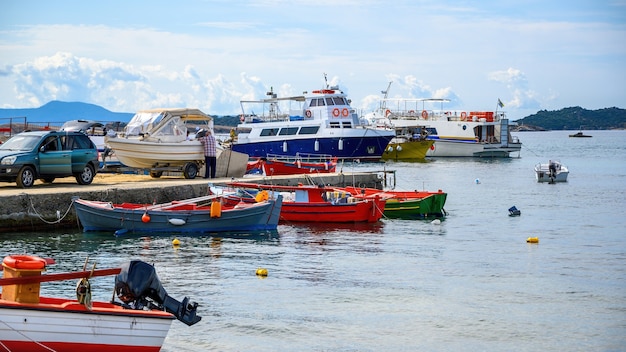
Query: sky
{"x":133,"y":55}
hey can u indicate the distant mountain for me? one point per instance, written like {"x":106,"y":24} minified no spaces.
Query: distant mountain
{"x":57,"y":112}
{"x":575,"y":118}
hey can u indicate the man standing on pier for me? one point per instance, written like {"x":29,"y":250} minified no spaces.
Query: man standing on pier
{"x":210,"y":161}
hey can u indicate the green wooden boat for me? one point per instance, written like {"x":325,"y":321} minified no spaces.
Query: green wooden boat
{"x":406,"y":204}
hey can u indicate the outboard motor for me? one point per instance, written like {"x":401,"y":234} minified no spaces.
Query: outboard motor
{"x":138,"y":286}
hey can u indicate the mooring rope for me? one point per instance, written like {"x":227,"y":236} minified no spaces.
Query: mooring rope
{"x":46,"y":221}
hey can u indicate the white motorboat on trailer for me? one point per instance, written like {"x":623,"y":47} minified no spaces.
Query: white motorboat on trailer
{"x":320,"y":122}
{"x":159,"y":140}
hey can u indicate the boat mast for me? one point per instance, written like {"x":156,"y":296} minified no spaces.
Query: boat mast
{"x":383,"y":103}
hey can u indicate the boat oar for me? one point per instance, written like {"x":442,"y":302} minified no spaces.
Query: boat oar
{"x":59,"y":276}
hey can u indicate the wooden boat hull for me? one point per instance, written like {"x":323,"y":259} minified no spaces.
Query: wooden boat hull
{"x":406,"y":204}
{"x":320,"y":204}
{"x":362,"y":211}
{"x":189,"y":219}
{"x":56,"y":324}
{"x":283,"y":165}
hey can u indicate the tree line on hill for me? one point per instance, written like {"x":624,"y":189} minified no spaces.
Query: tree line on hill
{"x":574,"y":118}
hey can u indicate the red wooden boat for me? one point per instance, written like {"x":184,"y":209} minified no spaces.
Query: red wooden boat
{"x":319,"y":203}
{"x":140,"y":322}
{"x":275,"y":165}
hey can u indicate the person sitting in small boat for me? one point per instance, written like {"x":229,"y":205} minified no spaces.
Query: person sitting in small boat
{"x":552,"y":167}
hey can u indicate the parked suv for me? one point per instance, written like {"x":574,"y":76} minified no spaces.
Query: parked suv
{"x":46,"y":155}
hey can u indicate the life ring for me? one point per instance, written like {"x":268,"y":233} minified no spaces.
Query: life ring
{"x":387,"y":112}
{"x":262,"y":196}
{"x":27,"y":262}
{"x":336,"y":112}
{"x":463,"y":116}
{"x":345,"y":112}
{"x":411,"y":112}
{"x":424,"y":114}
{"x":308,"y":113}
{"x":241,"y":118}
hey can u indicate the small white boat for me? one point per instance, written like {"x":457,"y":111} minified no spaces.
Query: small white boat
{"x":162,"y":140}
{"x":552,"y":171}
{"x":140,"y":321}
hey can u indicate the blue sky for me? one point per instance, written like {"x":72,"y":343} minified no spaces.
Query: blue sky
{"x":128,"y":56}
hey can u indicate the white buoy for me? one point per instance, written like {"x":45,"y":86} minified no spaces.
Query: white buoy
{"x":477,"y":181}
{"x":436,"y":222}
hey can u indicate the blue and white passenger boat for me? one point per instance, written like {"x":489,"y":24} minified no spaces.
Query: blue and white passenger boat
{"x":320,"y":122}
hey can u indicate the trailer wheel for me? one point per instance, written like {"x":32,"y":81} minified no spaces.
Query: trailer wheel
{"x":156,"y":174}
{"x":190,"y":171}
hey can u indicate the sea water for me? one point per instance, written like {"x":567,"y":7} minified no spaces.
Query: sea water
{"x":470,"y":283}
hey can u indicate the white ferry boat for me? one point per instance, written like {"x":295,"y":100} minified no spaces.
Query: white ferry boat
{"x":456,"y":133}
{"x":320,"y":122}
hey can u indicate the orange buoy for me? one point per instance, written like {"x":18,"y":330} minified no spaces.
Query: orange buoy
{"x":532,"y":240}
{"x":216,"y":209}
{"x":28,"y":262}
{"x":145,"y":218}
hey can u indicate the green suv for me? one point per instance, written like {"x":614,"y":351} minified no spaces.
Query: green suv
{"x":46,"y":155}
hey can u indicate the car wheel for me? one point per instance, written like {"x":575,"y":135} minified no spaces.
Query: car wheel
{"x":48,"y":179}
{"x":156,"y":174}
{"x":86,"y":177}
{"x":191,"y":170}
{"x":26,"y":177}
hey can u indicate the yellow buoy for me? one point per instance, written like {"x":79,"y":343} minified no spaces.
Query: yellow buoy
{"x":261,"y":272}
{"x":532,"y":240}
{"x":175,"y":242}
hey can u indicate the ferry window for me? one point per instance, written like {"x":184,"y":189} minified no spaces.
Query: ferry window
{"x":335,"y":125}
{"x":320,"y":102}
{"x":313,"y":102}
{"x":339,"y":101}
{"x":269,"y":132}
{"x":329,"y":101}
{"x":431,"y":130}
{"x":347,"y":125}
{"x":288,"y":131}
{"x":309,"y":130}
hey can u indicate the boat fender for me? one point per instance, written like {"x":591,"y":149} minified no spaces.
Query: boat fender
{"x":28,"y":262}
{"x":145,"y":218}
{"x":177,"y":222}
{"x":216,"y":209}
{"x":83,"y":293}
{"x":298,"y":164}
{"x":532,"y":240}
{"x":262,"y":196}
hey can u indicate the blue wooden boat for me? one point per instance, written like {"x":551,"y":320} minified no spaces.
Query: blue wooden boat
{"x":195,"y":216}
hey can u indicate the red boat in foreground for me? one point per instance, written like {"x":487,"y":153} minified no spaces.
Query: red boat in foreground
{"x":140,"y":322}
{"x":319,"y":203}
{"x":276,"y":165}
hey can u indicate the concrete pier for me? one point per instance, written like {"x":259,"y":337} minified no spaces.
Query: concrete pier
{"x":49,"y":206}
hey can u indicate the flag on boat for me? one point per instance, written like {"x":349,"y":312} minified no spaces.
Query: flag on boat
{"x":500,"y":103}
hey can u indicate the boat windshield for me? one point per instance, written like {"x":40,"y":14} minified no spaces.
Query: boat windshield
{"x":143,"y":122}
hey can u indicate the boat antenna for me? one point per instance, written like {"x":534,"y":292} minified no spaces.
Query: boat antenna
{"x":386,"y":94}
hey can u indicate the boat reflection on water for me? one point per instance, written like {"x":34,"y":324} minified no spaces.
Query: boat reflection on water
{"x":333,"y":228}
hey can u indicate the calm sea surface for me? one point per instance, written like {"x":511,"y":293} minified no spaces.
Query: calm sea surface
{"x":471,"y":283}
